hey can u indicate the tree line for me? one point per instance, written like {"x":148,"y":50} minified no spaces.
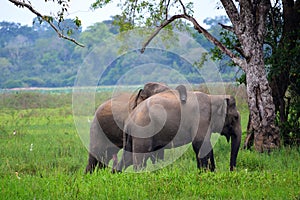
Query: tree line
{"x":33,"y":56}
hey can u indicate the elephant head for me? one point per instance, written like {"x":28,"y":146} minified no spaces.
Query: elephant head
{"x":232,"y":129}
{"x":226,"y":121}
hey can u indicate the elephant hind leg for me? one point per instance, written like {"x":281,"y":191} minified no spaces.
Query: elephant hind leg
{"x":92,"y":163}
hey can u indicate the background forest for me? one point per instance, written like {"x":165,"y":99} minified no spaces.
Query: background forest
{"x":33,"y":56}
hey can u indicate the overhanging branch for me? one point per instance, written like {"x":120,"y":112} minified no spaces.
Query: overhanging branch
{"x":200,"y":29}
{"x":45,"y":18}
{"x":228,"y":28}
{"x":164,"y":24}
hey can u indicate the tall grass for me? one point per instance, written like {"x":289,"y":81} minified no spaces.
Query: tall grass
{"x":52,"y":167}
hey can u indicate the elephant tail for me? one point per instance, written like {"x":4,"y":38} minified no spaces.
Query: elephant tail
{"x":127,"y":139}
{"x":182,"y":93}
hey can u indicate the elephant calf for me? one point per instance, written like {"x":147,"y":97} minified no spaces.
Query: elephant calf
{"x":162,"y":122}
{"x":106,"y":131}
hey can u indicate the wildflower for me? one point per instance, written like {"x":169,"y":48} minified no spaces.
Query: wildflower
{"x":14,"y":132}
{"x":31,"y":147}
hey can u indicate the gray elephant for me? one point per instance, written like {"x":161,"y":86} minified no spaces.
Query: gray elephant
{"x":161,"y":122}
{"x":106,"y":131}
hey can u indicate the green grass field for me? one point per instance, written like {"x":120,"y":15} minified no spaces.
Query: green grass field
{"x":46,"y":160}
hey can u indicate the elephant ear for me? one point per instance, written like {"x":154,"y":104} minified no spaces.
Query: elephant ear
{"x":231,"y":105}
{"x":232,"y":112}
{"x":218,"y":111}
{"x":134,"y":100}
{"x":221,"y":106}
{"x":231,"y":102}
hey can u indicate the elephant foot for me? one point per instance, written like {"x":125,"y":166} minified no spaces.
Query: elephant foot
{"x":92,"y":163}
{"x":232,"y":168}
{"x":88,"y":170}
{"x":115,"y":171}
{"x":115,"y":161}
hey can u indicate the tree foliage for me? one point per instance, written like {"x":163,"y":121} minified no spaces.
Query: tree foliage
{"x":26,"y":62}
{"x":36,"y":57}
{"x":283,"y":58}
{"x":50,"y":19}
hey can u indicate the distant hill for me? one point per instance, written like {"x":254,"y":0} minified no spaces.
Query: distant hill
{"x":35,"y":57}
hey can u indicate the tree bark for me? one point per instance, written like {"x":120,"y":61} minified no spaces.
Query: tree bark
{"x":261,"y":123}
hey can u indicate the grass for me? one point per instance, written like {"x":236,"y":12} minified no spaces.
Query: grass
{"x":54,"y":168}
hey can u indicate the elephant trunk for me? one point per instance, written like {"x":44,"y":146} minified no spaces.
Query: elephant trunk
{"x":235,"y":145}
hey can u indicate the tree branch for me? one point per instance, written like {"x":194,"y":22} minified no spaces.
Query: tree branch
{"x":158,"y":29}
{"x":231,"y":11}
{"x":183,"y":7}
{"x":228,"y":28}
{"x":262,"y":14}
{"x":167,"y":7}
{"x":45,"y":18}
{"x":237,"y":60}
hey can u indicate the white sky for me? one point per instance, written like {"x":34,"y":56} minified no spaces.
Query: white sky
{"x":9,"y":12}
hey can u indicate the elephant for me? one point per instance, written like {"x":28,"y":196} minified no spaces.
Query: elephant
{"x":106,"y":130}
{"x":161,"y":122}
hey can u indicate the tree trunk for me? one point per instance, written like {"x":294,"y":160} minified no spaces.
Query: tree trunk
{"x":249,"y":25}
{"x":261,"y":125}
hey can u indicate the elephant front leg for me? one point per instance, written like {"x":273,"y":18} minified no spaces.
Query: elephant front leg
{"x":125,"y":161}
{"x":204,"y":151}
{"x":157,"y":155}
{"x":142,"y":150}
{"x":139,"y":161}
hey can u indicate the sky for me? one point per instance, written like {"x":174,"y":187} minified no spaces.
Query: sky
{"x":9,"y":12}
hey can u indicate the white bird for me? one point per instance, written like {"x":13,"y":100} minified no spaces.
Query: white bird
{"x":31,"y":146}
{"x":17,"y":175}
{"x":14,"y":132}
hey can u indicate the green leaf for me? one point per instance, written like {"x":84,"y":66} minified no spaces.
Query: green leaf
{"x":77,"y":22}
